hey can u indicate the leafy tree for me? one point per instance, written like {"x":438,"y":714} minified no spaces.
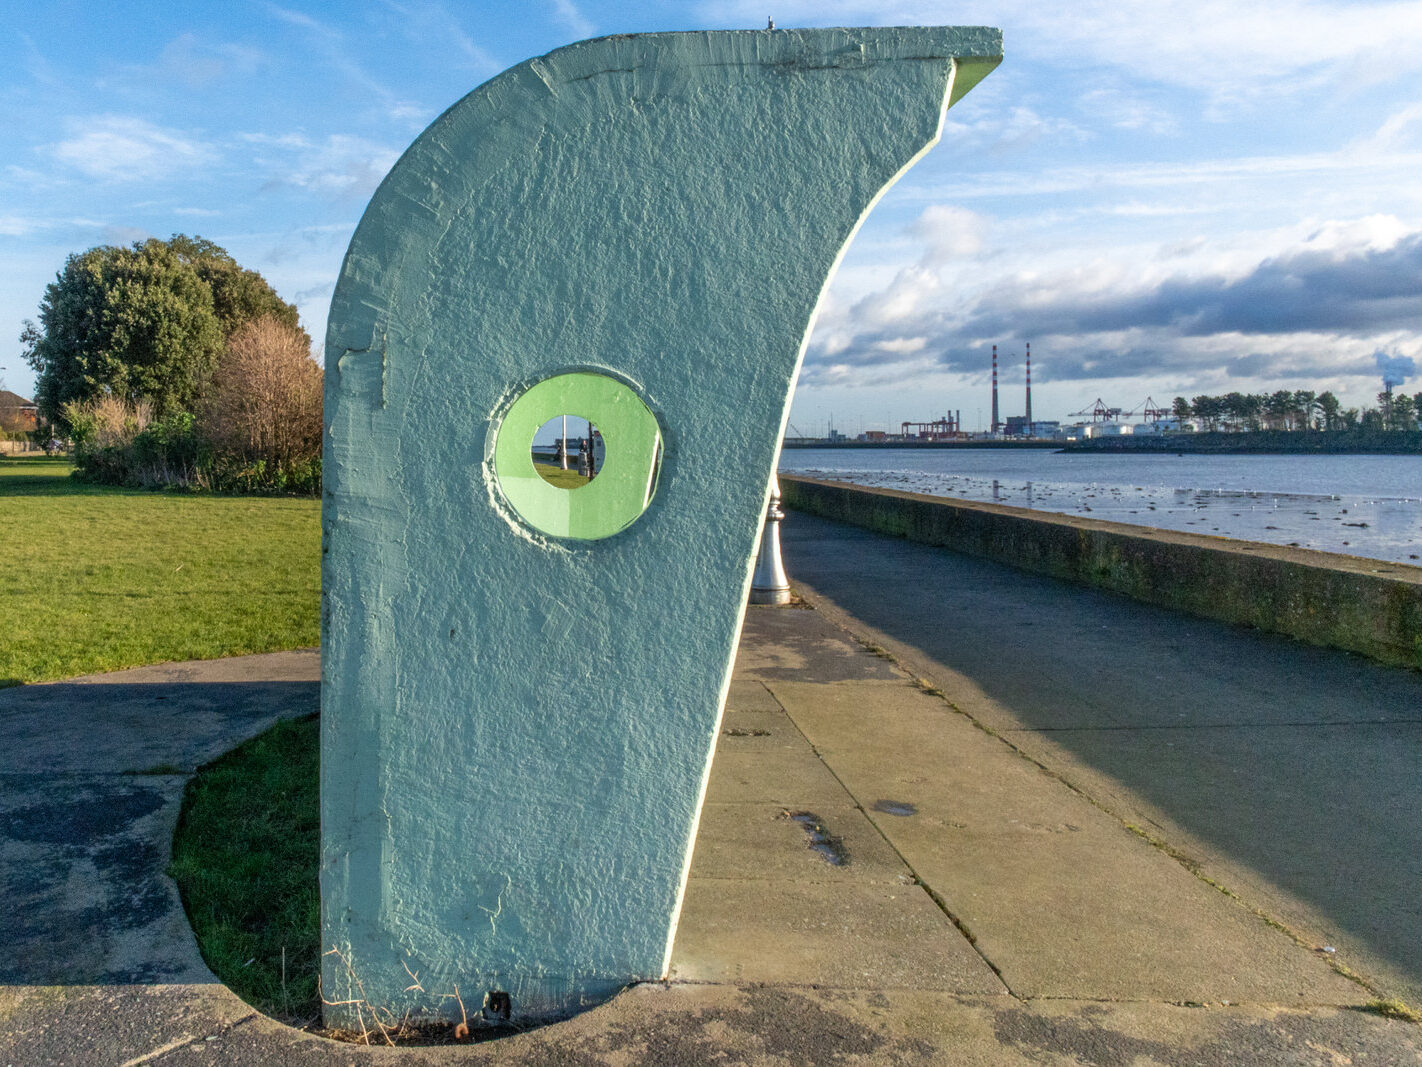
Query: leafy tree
{"x":1304,"y":400}
{"x":1404,"y":413}
{"x":1236,"y":407}
{"x":239,"y":296}
{"x":1253,"y":409}
{"x":1330,"y":406}
{"x":146,"y":322}
{"x":1180,"y":408}
{"x":1278,"y":407}
{"x":1208,"y":409}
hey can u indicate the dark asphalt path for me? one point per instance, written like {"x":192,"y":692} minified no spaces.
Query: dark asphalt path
{"x":1290,"y":774}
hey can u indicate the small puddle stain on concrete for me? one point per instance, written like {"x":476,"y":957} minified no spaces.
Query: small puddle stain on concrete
{"x":830,"y":847}
{"x":895,"y":807}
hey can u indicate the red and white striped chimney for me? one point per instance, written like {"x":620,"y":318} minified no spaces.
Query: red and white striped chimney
{"x":994,"y":389}
{"x":1028,"y":430}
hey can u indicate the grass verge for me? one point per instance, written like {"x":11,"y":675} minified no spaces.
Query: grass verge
{"x":563,"y":479}
{"x":98,"y":578}
{"x":246,"y":857}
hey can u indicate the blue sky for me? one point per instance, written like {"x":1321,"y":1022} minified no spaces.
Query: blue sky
{"x":1162,"y":197}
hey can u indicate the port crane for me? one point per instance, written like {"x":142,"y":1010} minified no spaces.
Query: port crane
{"x":1099,"y":412}
{"x":1150,"y":411}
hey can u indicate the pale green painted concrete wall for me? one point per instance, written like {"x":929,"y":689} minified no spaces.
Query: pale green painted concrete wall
{"x":517,"y":728}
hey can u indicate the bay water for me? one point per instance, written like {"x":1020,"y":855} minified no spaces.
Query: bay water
{"x":1368,"y":506}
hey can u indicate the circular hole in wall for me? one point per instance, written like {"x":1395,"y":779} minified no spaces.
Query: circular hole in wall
{"x":625,"y":460}
{"x":568,"y":451}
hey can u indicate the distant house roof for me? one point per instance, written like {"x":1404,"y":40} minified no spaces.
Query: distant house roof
{"x":9,"y":401}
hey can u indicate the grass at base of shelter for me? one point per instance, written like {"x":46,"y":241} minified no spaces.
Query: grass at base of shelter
{"x":246,"y":858}
{"x":99,"y":578}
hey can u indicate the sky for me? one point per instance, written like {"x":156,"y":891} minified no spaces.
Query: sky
{"x":1162,"y":198}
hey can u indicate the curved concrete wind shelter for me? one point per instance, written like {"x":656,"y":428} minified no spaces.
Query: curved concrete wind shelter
{"x":522,"y":683}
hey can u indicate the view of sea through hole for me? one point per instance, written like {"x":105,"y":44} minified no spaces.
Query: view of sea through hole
{"x":1368,"y":506}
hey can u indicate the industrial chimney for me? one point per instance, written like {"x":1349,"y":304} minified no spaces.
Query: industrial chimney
{"x":994,"y":389}
{"x":1028,"y":431}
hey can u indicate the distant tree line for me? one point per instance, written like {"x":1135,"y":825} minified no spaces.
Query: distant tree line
{"x":1298,"y":410}
{"x":166,"y":364}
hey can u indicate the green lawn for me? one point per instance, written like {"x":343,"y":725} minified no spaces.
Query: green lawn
{"x":245,"y":859}
{"x":563,"y":479}
{"x":96,"y":578}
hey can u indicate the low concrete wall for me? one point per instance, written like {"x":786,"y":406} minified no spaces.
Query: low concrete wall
{"x":1365,"y":606}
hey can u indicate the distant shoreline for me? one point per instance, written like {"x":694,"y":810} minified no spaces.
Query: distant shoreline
{"x":1258,"y":442}
{"x":918,"y":446}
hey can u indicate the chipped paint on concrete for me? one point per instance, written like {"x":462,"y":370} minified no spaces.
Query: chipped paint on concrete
{"x":517,"y":727}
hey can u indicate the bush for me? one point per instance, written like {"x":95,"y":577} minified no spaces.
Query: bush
{"x":259,"y":432}
{"x":105,"y":422}
{"x":175,"y":453}
{"x":266,"y":398}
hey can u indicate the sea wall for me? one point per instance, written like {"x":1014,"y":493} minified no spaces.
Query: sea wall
{"x":1366,"y":606}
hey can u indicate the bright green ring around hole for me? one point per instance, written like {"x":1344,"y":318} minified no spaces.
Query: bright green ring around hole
{"x":626,"y":480}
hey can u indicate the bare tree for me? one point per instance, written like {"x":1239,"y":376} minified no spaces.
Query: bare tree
{"x":266,"y":395}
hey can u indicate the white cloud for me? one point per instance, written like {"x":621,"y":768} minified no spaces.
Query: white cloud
{"x":1398,"y":133}
{"x":120,"y":148}
{"x":949,"y":232}
{"x":1011,"y":129}
{"x":17,"y":226}
{"x":431,"y":22}
{"x":194,"y":63}
{"x":1306,"y":303}
{"x":1218,"y":172}
{"x":340,"y":168}
{"x":1221,"y":48}
{"x":568,"y":14}
{"x":1127,"y":110}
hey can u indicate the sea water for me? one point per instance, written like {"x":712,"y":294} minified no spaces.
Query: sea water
{"x":1367,"y":506}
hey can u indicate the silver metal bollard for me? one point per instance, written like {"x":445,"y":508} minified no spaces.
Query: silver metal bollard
{"x":769,"y":585}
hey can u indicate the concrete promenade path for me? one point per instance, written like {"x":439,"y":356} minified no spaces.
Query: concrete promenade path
{"x":898,"y":861}
{"x":1286,"y":774}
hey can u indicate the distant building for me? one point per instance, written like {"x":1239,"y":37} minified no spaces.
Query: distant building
{"x":1017,"y":427}
{"x":17,"y":413}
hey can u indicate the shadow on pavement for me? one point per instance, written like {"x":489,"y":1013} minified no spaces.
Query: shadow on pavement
{"x":1297,"y":766}
{"x":91,"y":781}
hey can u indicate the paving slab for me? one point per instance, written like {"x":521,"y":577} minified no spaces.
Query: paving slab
{"x":108,"y":722}
{"x":752,"y":731}
{"x":778,"y":775}
{"x":83,"y":876}
{"x":796,"y":643}
{"x":1057,"y":894}
{"x":749,"y":694}
{"x":831,"y":843}
{"x":840,"y":936}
